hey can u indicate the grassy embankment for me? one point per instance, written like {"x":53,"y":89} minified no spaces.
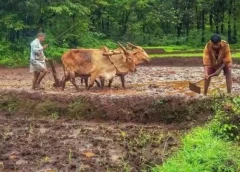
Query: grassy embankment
{"x":17,"y":59}
{"x":213,"y":147}
{"x":185,"y":51}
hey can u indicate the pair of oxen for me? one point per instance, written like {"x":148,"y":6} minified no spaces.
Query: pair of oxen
{"x":101,"y":63}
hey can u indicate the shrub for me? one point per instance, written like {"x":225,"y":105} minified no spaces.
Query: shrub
{"x":226,"y":122}
{"x":202,"y":151}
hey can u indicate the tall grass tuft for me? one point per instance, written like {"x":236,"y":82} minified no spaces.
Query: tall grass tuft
{"x":202,"y":152}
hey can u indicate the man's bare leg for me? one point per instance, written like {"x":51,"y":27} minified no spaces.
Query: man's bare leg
{"x":41,"y":76}
{"x":35,"y":78}
{"x":229,"y":81}
{"x":206,"y":85}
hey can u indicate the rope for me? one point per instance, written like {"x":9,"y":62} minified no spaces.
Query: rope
{"x":66,"y":31}
{"x":112,"y":61}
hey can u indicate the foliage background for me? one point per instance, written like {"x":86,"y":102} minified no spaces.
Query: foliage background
{"x":93,"y":23}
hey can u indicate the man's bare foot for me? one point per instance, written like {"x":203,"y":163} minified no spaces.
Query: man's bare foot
{"x":38,"y":87}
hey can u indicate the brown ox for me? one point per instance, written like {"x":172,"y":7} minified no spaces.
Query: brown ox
{"x":138,"y":55}
{"x":94,"y":62}
{"x":115,"y":64}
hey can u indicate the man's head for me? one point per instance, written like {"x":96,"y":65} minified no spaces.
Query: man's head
{"x":41,"y":36}
{"x":216,"y":41}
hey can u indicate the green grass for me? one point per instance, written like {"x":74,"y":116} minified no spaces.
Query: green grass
{"x":14,"y":62}
{"x":174,"y":48}
{"x":203,"y":152}
{"x":184,"y":48}
{"x":213,"y":147}
{"x":176,"y":55}
{"x":234,"y":55}
{"x":20,"y":60}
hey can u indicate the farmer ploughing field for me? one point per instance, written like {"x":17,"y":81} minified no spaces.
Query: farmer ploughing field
{"x":37,"y":61}
{"x":124,"y":86}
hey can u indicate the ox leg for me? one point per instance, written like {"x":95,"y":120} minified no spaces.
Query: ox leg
{"x":86,"y":81}
{"x":102,"y":80}
{"x":98,"y":84}
{"x":92,"y":79}
{"x":64,"y":80}
{"x":110,"y":83}
{"x":72,"y":80}
{"x":83,"y":80}
{"x":123,"y":81}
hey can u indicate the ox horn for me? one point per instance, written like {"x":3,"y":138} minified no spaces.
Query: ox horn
{"x":122,"y":47}
{"x":132,"y":45}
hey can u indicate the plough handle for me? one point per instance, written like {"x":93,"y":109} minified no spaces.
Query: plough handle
{"x":54,"y":73}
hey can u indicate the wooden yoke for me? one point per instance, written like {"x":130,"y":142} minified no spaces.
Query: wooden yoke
{"x":111,"y":53}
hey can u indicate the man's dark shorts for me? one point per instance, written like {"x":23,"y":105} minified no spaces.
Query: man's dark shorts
{"x":226,"y":70}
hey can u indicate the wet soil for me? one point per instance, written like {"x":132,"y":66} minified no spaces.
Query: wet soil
{"x":120,"y":129}
{"x":151,"y":93}
{"x":41,"y":144}
{"x":164,"y":76}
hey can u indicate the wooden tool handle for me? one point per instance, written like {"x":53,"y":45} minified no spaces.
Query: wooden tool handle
{"x":199,"y":81}
{"x":54,"y":73}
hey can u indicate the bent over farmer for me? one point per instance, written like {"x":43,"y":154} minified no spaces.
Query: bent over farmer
{"x":217,"y":57}
{"x":37,"y":61}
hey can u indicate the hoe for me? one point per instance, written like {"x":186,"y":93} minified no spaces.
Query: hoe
{"x":193,"y":87}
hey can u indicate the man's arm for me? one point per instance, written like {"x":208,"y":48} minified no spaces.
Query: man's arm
{"x":227,"y":59}
{"x":206,"y":56}
{"x":218,"y":71}
{"x":38,"y":48}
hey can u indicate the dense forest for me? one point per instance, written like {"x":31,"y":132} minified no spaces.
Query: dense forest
{"x":91,"y":23}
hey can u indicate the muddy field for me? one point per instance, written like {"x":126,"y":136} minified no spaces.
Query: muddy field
{"x":30,"y":145}
{"x":157,"y":108}
{"x":162,"y":77}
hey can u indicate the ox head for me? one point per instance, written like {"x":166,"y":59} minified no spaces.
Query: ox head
{"x":140,"y":55}
{"x":129,"y":56}
{"x":125,"y":57}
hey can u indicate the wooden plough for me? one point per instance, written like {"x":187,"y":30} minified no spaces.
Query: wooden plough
{"x":57,"y":82}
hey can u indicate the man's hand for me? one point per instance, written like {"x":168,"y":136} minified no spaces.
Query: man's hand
{"x":46,"y":59}
{"x":217,"y":72}
{"x":45,"y":46}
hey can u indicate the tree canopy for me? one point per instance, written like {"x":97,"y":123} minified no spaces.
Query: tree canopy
{"x":84,"y":23}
